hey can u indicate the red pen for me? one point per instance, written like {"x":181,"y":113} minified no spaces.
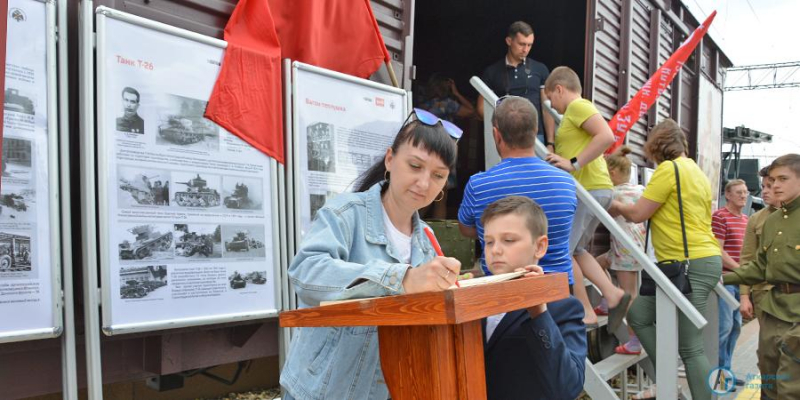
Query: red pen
{"x":436,"y":246}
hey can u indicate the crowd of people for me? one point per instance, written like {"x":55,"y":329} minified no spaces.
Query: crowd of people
{"x":525,"y":214}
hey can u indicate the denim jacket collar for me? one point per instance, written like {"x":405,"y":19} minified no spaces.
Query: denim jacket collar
{"x":376,"y":231}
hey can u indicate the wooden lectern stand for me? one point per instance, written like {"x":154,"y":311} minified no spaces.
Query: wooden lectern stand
{"x":431,"y":344}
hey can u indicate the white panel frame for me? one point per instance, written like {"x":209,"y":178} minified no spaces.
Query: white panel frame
{"x":53,"y":139}
{"x":102,"y":13}
{"x":297,"y":179}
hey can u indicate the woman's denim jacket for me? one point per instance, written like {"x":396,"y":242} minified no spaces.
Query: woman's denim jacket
{"x":346,"y":254}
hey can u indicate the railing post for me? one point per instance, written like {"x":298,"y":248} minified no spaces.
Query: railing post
{"x":711,"y":333}
{"x":490,"y":154}
{"x":667,"y":351}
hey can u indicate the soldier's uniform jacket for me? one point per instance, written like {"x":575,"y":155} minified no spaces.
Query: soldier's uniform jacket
{"x":134,"y":124}
{"x":777,"y":261}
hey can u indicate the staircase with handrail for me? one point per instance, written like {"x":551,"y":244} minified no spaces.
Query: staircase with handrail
{"x":669,"y":301}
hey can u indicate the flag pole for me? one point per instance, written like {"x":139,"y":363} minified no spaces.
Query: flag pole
{"x":392,"y":75}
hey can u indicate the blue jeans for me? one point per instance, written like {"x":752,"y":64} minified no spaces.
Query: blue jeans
{"x":730,"y":325}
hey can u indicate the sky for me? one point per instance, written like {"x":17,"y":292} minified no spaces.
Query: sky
{"x":758,"y":32}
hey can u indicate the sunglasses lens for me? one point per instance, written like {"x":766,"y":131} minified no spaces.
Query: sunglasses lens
{"x":426,"y":117}
{"x":454,"y":131}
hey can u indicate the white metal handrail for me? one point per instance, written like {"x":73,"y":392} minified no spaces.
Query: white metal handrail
{"x":719,"y":289}
{"x":668,"y":298}
{"x":660,"y":279}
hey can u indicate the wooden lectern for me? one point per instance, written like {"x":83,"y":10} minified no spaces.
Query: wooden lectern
{"x":431,"y":344}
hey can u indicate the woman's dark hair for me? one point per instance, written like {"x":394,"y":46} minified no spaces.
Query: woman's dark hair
{"x":433,"y":139}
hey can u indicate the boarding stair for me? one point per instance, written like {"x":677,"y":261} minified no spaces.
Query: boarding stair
{"x":669,"y":301}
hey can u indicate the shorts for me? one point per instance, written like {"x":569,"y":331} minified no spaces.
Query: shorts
{"x":585,"y":223}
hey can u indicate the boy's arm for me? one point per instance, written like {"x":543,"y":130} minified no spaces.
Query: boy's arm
{"x":602,"y":137}
{"x":749,"y":248}
{"x":749,"y":274}
{"x":558,"y":348}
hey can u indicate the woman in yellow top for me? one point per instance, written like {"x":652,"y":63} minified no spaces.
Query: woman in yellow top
{"x":659,"y":203}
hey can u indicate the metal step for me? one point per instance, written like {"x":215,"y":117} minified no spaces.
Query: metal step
{"x":602,"y":320}
{"x":616,"y":363}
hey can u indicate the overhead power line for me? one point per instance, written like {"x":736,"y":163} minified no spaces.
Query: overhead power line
{"x":763,"y":76}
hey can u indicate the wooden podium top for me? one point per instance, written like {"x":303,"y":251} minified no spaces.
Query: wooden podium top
{"x":453,"y":306}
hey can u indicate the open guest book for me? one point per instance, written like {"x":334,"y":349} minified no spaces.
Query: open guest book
{"x":483,"y":280}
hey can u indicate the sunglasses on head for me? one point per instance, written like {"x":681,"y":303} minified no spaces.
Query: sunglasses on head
{"x":429,"y":119}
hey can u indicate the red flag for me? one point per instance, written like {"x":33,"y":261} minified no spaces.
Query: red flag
{"x":247,"y":98}
{"x":341,"y":35}
{"x":622,"y":122}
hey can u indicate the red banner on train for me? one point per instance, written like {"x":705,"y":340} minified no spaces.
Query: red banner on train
{"x":624,"y":119}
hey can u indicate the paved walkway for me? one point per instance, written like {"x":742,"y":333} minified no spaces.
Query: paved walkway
{"x":744,"y":366}
{"x":745,"y":363}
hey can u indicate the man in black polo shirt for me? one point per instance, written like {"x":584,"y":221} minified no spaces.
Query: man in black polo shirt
{"x":519,"y":75}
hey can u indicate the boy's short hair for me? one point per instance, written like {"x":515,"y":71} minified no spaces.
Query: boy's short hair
{"x":733,"y":183}
{"x":521,"y":27}
{"x":565,"y":77}
{"x":791,"y":161}
{"x":535,"y":219}
{"x":764,"y":172}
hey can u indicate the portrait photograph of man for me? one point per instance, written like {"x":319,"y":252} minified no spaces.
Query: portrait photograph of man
{"x":130,"y":121}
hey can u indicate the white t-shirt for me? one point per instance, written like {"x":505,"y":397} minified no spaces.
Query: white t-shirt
{"x":400,"y":241}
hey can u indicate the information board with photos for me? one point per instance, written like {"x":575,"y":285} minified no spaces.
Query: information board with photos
{"x":342,"y":126}
{"x":29,"y":236}
{"x":187,"y":217}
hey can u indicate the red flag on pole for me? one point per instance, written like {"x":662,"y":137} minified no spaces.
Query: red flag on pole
{"x":247,"y":99}
{"x":624,"y":119}
{"x":341,"y":35}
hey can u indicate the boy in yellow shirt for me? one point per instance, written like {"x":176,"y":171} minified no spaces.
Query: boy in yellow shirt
{"x":581,"y":139}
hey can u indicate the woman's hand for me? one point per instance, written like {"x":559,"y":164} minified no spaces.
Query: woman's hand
{"x":452,"y":85}
{"x":434,"y":276}
{"x":613,"y":209}
{"x":533,"y":270}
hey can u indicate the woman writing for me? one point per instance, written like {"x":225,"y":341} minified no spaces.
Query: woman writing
{"x":366,"y":244}
{"x":666,"y":145}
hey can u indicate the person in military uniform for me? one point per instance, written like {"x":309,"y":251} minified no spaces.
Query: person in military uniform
{"x":778,"y":263}
{"x":130,"y":121}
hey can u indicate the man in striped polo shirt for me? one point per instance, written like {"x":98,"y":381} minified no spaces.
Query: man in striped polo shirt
{"x":521,"y":173}
{"x":729,"y":224}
